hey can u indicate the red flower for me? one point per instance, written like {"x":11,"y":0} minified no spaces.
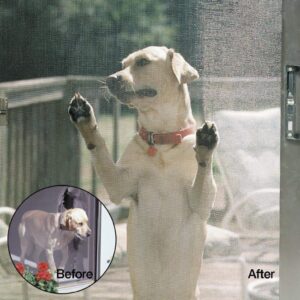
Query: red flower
{"x":48,"y":276}
{"x":42,"y":266}
{"x":20,"y":268}
{"x":43,"y":275}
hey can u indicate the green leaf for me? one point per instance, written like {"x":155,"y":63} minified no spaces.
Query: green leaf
{"x":29,"y":277}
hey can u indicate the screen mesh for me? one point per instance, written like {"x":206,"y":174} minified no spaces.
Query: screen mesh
{"x":69,"y":46}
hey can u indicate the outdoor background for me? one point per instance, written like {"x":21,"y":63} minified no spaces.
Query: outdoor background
{"x":90,"y":37}
{"x":51,"y":49}
{"x":42,"y":38}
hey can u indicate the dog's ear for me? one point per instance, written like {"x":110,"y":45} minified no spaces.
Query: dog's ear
{"x":68,"y":220}
{"x":183,"y":71}
{"x":68,"y":224}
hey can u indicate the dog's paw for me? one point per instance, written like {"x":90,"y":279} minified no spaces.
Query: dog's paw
{"x":80,"y":110}
{"x":206,"y":141}
{"x":207,"y":135}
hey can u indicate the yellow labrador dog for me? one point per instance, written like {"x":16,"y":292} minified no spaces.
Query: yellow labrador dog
{"x":50,"y":232}
{"x":172,"y":192}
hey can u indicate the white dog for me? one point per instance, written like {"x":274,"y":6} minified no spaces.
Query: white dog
{"x":51,"y":231}
{"x":172,"y":192}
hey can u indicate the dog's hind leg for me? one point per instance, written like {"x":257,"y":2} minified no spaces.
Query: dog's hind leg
{"x":26,"y":247}
{"x":37,"y":253}
{"x":25,"y":243}
{"x":203,"y":191}
{"x":117,"y":180}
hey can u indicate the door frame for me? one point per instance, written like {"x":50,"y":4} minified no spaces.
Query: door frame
{"x":289,"y":163}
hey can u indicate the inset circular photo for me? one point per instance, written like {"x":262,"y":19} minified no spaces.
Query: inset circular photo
{"x":61,"y":239}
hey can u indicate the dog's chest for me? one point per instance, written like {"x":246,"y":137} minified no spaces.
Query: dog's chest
{"x":60,"y":239}
{"x":164,"y":184}
{"x":163,"y":180}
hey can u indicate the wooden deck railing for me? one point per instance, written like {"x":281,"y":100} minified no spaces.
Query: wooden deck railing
{"x":40,"y":146}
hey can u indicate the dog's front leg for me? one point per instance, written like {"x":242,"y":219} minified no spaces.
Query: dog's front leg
{"x":117,"y":180}
{"x":64,"y":258}
{"x":51,"y":261}
{"x":204,"y":188}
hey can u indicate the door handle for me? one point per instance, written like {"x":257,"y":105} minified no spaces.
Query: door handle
{"x":3,"y":111}
{"x":292,"y":109}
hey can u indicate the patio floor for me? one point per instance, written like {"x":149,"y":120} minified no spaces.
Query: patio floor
{"x":218,"y":280}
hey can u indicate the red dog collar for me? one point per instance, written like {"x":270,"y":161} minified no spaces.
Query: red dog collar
{"x":172,"y":138}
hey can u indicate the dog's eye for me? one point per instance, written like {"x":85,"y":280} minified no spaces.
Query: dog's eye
{"x":142,"y":62}
{"x":80,"y":223}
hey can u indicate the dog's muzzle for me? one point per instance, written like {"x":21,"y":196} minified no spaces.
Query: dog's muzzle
{"x":146,"y":93}
{"x":117,"y":87}
{"x":114,"y":83}
{"x":82,"y":237}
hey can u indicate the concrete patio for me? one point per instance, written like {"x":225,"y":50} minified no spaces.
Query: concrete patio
{"x":218,"y":280}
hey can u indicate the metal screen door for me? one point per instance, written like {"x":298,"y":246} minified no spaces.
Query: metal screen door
{"x":290,"y":152}
{"x":235,"y":45}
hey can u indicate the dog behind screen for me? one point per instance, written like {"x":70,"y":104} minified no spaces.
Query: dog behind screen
{"x":171,"y":192}
{"x":42,"y":231}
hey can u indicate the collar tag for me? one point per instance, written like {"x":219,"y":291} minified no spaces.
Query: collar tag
{"x":151,"y":150}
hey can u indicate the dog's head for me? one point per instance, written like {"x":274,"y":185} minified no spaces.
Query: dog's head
{"x":150,"y":75}
{"x":76,"y":220}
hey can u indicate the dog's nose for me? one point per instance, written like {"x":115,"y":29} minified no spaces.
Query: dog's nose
{"x":88,"y":232}
{"x":113,"y":82}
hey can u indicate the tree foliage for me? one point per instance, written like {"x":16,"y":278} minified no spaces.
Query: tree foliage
{"x":88,"y":37}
